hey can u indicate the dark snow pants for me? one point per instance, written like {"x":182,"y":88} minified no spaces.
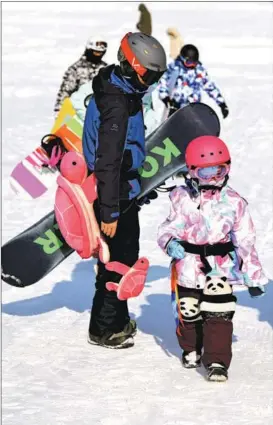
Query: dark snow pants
{"x":206,"y":322}
{"x":108,"y":313}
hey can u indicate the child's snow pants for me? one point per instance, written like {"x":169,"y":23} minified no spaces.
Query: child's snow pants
{"x":205,"y":321}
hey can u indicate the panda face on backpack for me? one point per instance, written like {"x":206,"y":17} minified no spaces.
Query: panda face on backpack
{"x":189,"y":308}
{"x":217,"y":300}
{"x":217,"y":286}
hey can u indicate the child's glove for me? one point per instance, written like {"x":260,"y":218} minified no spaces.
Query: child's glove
{"x":174,"y":106}
{"x":256,"y":291}
{"x":224,"y":110}
{"x":147,"y":198}
{"x":175,"y":250}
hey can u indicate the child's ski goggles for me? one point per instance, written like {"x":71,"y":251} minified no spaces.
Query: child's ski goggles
{"x":216,"y":172}
{"x":189,"y":63}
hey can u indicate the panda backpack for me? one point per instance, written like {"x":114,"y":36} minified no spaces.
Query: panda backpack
{"x":218,"y":299}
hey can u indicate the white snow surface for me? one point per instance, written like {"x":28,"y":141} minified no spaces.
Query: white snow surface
{"x":50,"y":374}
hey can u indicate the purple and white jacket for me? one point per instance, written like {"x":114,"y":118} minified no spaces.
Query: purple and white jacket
{"x":213,"y":217}
{"x":185,"y":85}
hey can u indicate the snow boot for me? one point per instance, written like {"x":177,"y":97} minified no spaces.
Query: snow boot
{"x":191,"y":359}
{"x":123,"y":339}
{"x":217,"y":372}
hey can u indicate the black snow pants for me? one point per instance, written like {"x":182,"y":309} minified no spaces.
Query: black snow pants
{"x":108,"y":313}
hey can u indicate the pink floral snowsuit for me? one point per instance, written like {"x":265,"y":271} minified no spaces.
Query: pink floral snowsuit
{"x":211,"y":218}
{"x":204,"y":305}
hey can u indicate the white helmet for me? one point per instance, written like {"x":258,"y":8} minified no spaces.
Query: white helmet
{"x":98,"y":44}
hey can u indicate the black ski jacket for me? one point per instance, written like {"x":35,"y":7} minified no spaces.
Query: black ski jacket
{"x":114,"y":140}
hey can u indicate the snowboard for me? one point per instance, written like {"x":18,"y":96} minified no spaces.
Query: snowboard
{"x":30,"y":179}
{"x":66,"y":112}
{"x":34,"y":253}
{"x":176,"y":42}
{"x":31,"y":255}
{"x":165,"y":147}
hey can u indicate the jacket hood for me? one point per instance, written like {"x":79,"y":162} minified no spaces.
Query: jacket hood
{"x":109,"y":80}
{"x":101,"y":83}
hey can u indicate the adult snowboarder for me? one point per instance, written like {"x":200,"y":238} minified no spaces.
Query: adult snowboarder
{"x":184,"y":81}
{"x":113,"y":146}
{"x":82,"y":71}
{"x":210,"y":236}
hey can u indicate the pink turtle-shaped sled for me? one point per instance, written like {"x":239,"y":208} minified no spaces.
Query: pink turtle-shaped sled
{"x":75,"y":216}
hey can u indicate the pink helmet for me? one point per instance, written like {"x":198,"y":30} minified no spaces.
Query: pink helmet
{"x":206,"y":151}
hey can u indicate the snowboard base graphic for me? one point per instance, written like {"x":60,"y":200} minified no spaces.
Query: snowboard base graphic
{"x":30,"y":256}
{"x":34,"y":253}
{"x":30,"y":179}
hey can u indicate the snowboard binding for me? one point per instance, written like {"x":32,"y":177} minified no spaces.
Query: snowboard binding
{"x":54,"y":149}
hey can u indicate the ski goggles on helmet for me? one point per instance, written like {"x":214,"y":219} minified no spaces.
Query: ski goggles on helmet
{"x":98,"y":46}
{"x":151,"y":77}
{"x":189,"y":63}
{"x":216,"y":172}
{"x":125,"y":53}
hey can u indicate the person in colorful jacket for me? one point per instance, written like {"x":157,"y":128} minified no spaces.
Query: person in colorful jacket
{"x":184,"y":81}
{"x":82,"y":71}
{"x":210,"y":236}
{"x":114,"y":149}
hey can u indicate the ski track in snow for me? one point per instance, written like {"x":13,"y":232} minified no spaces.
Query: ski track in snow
{"x":50,"y":374}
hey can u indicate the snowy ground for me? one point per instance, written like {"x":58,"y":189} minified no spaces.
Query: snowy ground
{"x":50,"y":374}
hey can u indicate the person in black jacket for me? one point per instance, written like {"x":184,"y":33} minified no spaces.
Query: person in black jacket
{"x":114,"y":149}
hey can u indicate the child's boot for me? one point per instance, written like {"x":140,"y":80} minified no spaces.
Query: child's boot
{"x":217,"y":372}
{"x":191,"y":360}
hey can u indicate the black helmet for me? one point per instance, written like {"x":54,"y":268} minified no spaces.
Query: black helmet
{"x":144,"y":55}
{"x":189,"y":55}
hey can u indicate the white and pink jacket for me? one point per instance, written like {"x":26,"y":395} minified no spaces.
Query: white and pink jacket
{"x":213,"y":217}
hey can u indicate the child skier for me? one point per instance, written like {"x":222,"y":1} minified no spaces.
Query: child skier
{"x":114,"y":148}
{"x":210,"y":236}
{"x":184,"y":81}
